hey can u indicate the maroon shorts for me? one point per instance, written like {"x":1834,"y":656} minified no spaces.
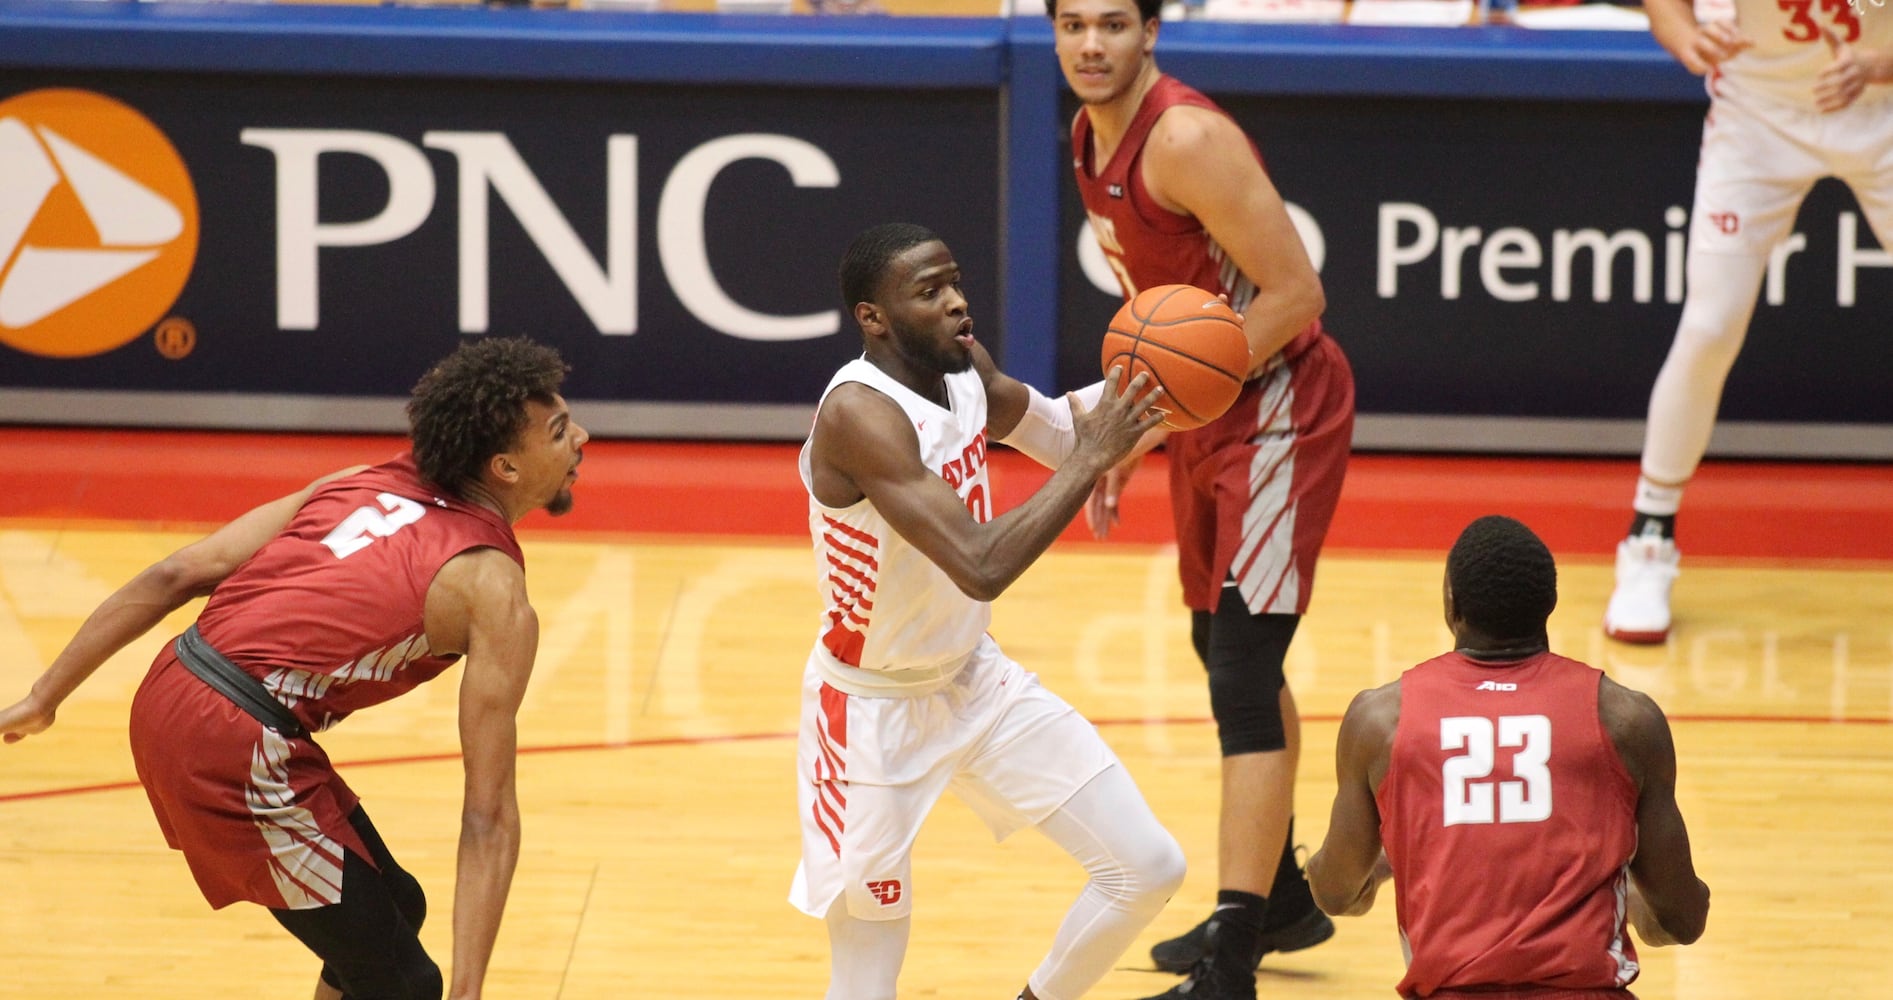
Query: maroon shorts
{"x":1254,"y":491}
{"x":259,"y":817}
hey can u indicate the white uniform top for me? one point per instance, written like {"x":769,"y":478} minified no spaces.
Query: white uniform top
{"x":893,"y":623}
{"x":1788,"y":52}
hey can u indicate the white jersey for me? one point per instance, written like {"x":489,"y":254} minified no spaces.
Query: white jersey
{"x":1789,"y":52}
{"x":893,"y":623}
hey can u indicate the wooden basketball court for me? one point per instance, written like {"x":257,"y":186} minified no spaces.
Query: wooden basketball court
{"x":657,"y":779}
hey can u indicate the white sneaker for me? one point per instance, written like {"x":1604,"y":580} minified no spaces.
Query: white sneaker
{"x":1639,"y":609}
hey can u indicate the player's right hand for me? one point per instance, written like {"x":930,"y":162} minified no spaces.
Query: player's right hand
{"x":24,"y":718}
{"x":1110,"y":431}
{"x":1714,"y":42}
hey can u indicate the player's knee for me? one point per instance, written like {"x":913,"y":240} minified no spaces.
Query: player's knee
{"x":408,"y":895}
{"x":1160,"y":871}
{"x":1248,"y":709}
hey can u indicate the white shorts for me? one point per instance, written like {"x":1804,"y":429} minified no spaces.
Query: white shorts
{"x":1759,"y":158}
{"x":869,"y":770}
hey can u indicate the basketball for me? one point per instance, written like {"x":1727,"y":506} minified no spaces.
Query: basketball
{"x":1192,"y":344}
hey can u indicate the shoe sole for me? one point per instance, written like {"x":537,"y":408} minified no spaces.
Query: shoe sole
{"x":1644,"y":638}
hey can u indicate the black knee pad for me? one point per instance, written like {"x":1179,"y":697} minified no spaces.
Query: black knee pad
{"x":408,"y":895}
{"x":1243,"y":654}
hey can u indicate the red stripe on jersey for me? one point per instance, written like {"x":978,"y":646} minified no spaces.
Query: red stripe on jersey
{"x":867,"y":582}
{"x":845,"y":593}
{"x":865,"y":558}
{"x":853,"y":532}
{"x":842,"y":642}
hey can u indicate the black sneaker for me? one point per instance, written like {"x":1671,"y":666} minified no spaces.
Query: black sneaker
{"x":1210,"y":979}
{"x":1307,"y":929}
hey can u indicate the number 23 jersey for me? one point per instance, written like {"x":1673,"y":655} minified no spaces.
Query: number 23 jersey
{"x":1510,"y":821}
{"x":329,"y":614}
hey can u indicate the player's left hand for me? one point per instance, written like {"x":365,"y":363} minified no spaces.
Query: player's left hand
{"x":1839,"y":85}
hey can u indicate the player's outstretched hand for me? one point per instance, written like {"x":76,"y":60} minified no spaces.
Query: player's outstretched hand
{"x":1841,"y":83}
{"x":1108,"y":432}
{"x":24,"y":718}
{"x":1714,"y":42}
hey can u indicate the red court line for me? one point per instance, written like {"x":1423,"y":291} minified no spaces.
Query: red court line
{"x":675,"y":741}
{"x":1390,"y":503}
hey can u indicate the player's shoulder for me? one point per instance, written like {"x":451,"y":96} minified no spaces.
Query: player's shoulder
{"x":1375,"y":710}
{"x":1636,"y":725}
{"x":1192,"y":127}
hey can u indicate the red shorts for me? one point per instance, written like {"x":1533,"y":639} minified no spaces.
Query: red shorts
{"x":1254,"y":491}
{"x":259,"y":817}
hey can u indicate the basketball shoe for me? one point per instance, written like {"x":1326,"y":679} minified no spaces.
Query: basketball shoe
{"x":1218,"y":974}
{"x":1639,"y":609}
{"x":1292,"y":923}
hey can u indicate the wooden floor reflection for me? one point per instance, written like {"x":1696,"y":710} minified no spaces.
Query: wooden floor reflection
{"x":659,"y":798}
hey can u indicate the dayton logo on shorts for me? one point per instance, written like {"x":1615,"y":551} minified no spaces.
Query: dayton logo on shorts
{"x":886,"y":890}
{"x":1726,"y":223}
{"x":98,"y":223}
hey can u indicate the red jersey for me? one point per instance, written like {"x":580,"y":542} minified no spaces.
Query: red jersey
{"x":1510,"y":822}
{"x":1146,"y":244}
{"x":328,"y":614}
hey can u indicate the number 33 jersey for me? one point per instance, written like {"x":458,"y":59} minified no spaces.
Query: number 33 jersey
{"x":328,"y":614}
{"x":1790,"y":48}
{"x":1510,"y":821}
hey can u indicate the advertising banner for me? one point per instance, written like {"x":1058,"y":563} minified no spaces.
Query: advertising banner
{"x":294,"y":252}
{"x":1510,"y":274}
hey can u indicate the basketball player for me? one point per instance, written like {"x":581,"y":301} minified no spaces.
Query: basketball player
{"x":342,"y":595}
{"x":905,"y":696}
{"x":1798,"y":91}
{"x":1176,"y":193}
{"x":1504,"y":766}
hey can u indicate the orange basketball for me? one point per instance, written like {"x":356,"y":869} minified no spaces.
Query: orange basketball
{"x":1192,"y":344}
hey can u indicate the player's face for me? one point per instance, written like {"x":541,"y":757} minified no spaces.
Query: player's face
{"x":547,"y":454}
{"x":926,"y":310}
{"x":1102,"y":46}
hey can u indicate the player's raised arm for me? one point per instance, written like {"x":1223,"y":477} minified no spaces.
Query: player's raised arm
{"x":1200,"y":163}
{"x":862,"y":446}
{"x":144,"y":601}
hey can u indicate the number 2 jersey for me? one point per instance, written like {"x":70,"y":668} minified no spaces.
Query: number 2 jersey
{"x":328,"y":616}
{"x":1510,"y":822}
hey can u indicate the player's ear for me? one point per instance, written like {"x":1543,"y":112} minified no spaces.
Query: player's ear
{"x":873,"y":322}
{"x":503,"y":468}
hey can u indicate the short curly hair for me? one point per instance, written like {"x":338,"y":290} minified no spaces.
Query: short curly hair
{"x":870,"y":255}
{"x":472,"y":406}
{"x":1504,"y":580}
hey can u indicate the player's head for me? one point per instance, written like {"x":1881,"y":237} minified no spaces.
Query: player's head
{"x":1147,"y":10}
{"x":1500,"y":580}
{"x":902,"y":286}
{"x":1104,"y":46}
{"x":490,"y":416}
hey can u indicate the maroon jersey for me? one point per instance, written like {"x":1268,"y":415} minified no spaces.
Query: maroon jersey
{"x":1252,"y":492}
{"x":1510,"y":822}
{"x":328,"y":616}
{"x":1146,"y":244}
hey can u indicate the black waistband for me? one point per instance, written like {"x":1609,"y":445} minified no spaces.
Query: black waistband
{"x":246,"y":692}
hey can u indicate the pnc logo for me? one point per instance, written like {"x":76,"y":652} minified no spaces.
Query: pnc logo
{"x":98,"y":223}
